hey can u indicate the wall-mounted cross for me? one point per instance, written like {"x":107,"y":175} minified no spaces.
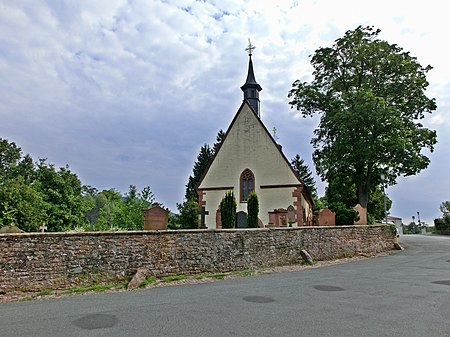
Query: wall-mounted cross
{"x":43,"y":227}
{"x":203,"y":213}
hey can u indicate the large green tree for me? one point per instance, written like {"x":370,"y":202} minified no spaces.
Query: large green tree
{"x":62,"y":197}
{"x":370,"y":96}
{"x":20,"y":202}
{"x":31,"y":194}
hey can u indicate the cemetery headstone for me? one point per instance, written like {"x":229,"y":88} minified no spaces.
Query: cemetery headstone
{"x":156,"y":218}
{"x":241,"y":220}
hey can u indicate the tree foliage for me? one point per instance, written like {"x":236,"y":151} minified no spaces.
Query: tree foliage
{"x":219,"y":139}
{"x":375,"y":208}
{"x":344,"y":191}
{"x":345,"y":216}
{"x":21,"y":204}
{"x":188,"y":217}
{"x":61,"y":194}
{"x":371,"y":97}
{"x":305,"y":174}
{"x":111,"y":210}
{"x":443,"y":223}
{"x":130,"y":215}
{"x":35,"y":193}
{"x":252,"y":210}
{"x":204,"y":157}
{"x":228,"y":210}
{"x":445,"y":208}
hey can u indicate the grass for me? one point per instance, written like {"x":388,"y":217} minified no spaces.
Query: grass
{"x":174,"y":278}
{"x":218,"y":276}
{"x":148,"y":280}
{"x":245,"y":273}
{"x":46,"y":292}
{"x":97,"y":288}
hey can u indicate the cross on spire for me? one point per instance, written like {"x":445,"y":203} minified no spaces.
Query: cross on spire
{"x":250,"y":48}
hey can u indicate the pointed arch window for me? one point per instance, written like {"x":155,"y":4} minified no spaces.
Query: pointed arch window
{"x":247,"y":184}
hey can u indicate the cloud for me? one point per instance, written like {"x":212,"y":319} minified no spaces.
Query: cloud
{"x":126,"y":92}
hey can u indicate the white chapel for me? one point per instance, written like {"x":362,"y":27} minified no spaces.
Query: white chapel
{"x":250,"y":160}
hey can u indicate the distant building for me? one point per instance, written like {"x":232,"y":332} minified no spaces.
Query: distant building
{"x":397,"y":222}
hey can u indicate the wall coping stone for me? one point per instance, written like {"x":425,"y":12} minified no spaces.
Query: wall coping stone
{"x":183,"y":231}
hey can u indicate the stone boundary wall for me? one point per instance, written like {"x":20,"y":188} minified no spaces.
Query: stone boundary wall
{"x":41,"y":260}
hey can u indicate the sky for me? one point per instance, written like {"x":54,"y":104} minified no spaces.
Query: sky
{"x":126,"y":92}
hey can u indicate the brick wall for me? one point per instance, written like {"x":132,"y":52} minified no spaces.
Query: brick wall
{"x":40,"y":260}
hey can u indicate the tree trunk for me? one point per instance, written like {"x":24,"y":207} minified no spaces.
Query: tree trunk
{"x":363,"y":195}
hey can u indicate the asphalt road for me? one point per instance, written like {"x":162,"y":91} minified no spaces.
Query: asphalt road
{"x":404,"y":294}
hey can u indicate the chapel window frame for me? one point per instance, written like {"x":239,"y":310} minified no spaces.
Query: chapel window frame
{"x":247,"y":184}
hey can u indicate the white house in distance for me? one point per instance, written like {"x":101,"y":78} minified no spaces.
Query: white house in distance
{"x":249,"y":159}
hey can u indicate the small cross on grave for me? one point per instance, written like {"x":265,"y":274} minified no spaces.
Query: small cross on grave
{"x":274,"y":131}
{"x":43,"y":227}
{"x":203,"y":213}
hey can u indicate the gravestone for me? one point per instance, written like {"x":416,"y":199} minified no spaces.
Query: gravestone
{"x":156,"y":218}
{"x":11,"y":228}
{"x":326,"y":217}
{"x":362,"y":215}
{"x":218,"y":219}
{"x":278,"y":218}
{"x":291,"y":214}
{"x":241,"y":220}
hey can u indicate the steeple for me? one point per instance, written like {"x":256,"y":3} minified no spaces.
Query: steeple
{"x":251,"y":88}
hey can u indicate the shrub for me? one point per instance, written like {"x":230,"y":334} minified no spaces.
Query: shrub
{"x":252,"y":210}
{"x":174,"y":221}
{"x":188,"y":214}
{"x":345,"y":216}
{"x":442,"y":223}
{"x":228,"y":210}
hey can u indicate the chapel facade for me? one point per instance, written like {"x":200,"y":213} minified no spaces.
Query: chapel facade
{"x":250,"y":160}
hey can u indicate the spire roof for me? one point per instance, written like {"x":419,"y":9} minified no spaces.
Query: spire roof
{"x":251,"y":81}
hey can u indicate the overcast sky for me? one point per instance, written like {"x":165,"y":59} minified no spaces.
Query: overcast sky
{"x":126,"y":92}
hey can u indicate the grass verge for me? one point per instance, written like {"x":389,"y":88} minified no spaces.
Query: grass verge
{"x":174,"y":278}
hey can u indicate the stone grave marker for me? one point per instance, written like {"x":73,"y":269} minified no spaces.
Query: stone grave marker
{"x":241,"y":220}
{"x":156,"y":218}
{"x":291,"y":214}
